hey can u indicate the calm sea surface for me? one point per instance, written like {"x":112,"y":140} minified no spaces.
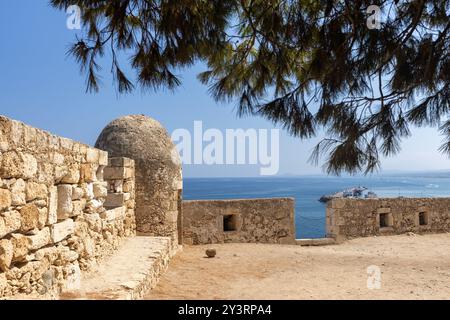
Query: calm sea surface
{"x":310,"y":213}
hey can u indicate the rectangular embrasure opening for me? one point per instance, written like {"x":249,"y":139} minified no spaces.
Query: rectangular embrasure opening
{"x":423,"y":218}
{"x":384,"y":220}
{"x":229,"y":223}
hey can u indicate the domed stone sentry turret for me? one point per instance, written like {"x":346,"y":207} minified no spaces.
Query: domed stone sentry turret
{"x":158,"y":172}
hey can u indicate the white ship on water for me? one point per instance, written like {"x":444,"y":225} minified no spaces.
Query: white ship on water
{"x":356,"y":192}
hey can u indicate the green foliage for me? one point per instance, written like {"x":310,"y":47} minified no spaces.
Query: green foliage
{"x":304,"y":64}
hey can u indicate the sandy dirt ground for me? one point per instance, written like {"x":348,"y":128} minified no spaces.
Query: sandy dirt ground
{"x":412,"y":267}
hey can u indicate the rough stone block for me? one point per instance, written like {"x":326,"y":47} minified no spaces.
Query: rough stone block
{"x":94,"y":206}
{"x":5,"y":199}
{"x":73,"y":174}
{"x":21,"y":246}
{"x":115,"y":200}
{"x":45,"y":173}
{"x":92,"y":155}
{"x":62,"y":230}
{"x":65,"y":206}
{"x":66,"y":143}
{"x":67,"y":256}
{"x":57,"y":158}
{"x":88,"y":189}
{"x":121,"y":162}
{"x":100,"y":189}
{"x":9,"y":222}
{"x":383,"y":210}
{"x":18,"y":165}
{"x":53,"y":205}
{"x":16,"y":134}
{"x":128,"y":186}
{"x":94,"y":221}
{"x":112,"y":214}
{"x":43,"y":217}
{"x":40,"y":203}
{"x":4,"y":145}
{"x":36,"y":191}
{"x":40,"y":239}
{"x":51,"y":253}
{"x":103,"y":158}
{"x":18,"y":193}
{"x":29,"y":215}
{"x":88,"y":172}
{"x":78,"y":207}
{"x":6,"y":254}
{"x":77,"y":193}
{"x":423,"y":209}
{"x":117,"y":173}
{"x":53,"y":142}
{"x":60,"y":172}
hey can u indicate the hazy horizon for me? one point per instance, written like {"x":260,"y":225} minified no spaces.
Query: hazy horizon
{"x":321,"y":175}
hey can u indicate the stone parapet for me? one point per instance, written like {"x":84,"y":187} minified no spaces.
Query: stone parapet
{"x":242,"y":220}
{"x":350,"y":218}
{"x":53,"y":220}
{"x":119,"y":277}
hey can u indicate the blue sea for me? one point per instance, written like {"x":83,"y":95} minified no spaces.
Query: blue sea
{"x":310,"y":213}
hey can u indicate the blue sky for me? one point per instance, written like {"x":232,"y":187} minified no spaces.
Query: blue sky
{"x":41,"y":86}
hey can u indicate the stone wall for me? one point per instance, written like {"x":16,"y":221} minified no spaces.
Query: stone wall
{"x":158,"y":172}
{"x":56,"y":215}
{"x":349,"y":218}
{"x":244,"y":220}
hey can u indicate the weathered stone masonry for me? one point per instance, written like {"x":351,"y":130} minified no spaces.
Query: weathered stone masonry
{"x":65,"y":206}
{"x":158,"y":172}
{"x":350,"y":218}
{"x":243,"y":220}
{"x":56,"y":215}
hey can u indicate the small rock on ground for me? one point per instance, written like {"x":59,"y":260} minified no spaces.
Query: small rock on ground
{"x":211,"y":253}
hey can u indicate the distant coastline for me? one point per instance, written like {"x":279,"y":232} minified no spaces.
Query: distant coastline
{"x":310,"y":213}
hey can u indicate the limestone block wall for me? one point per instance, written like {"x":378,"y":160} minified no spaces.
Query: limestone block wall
{"x":243,"y":220}
{"x":159,"y":181}
{"x":349,"y":218}
{"x":56,"y":216}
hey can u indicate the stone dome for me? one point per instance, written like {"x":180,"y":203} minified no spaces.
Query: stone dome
{"x":158,"y":171}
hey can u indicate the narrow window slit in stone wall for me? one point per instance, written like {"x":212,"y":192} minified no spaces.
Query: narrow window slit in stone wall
{"x":423,"y":218}
{"x":230,"y":222}
{"x":384,"y":220}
